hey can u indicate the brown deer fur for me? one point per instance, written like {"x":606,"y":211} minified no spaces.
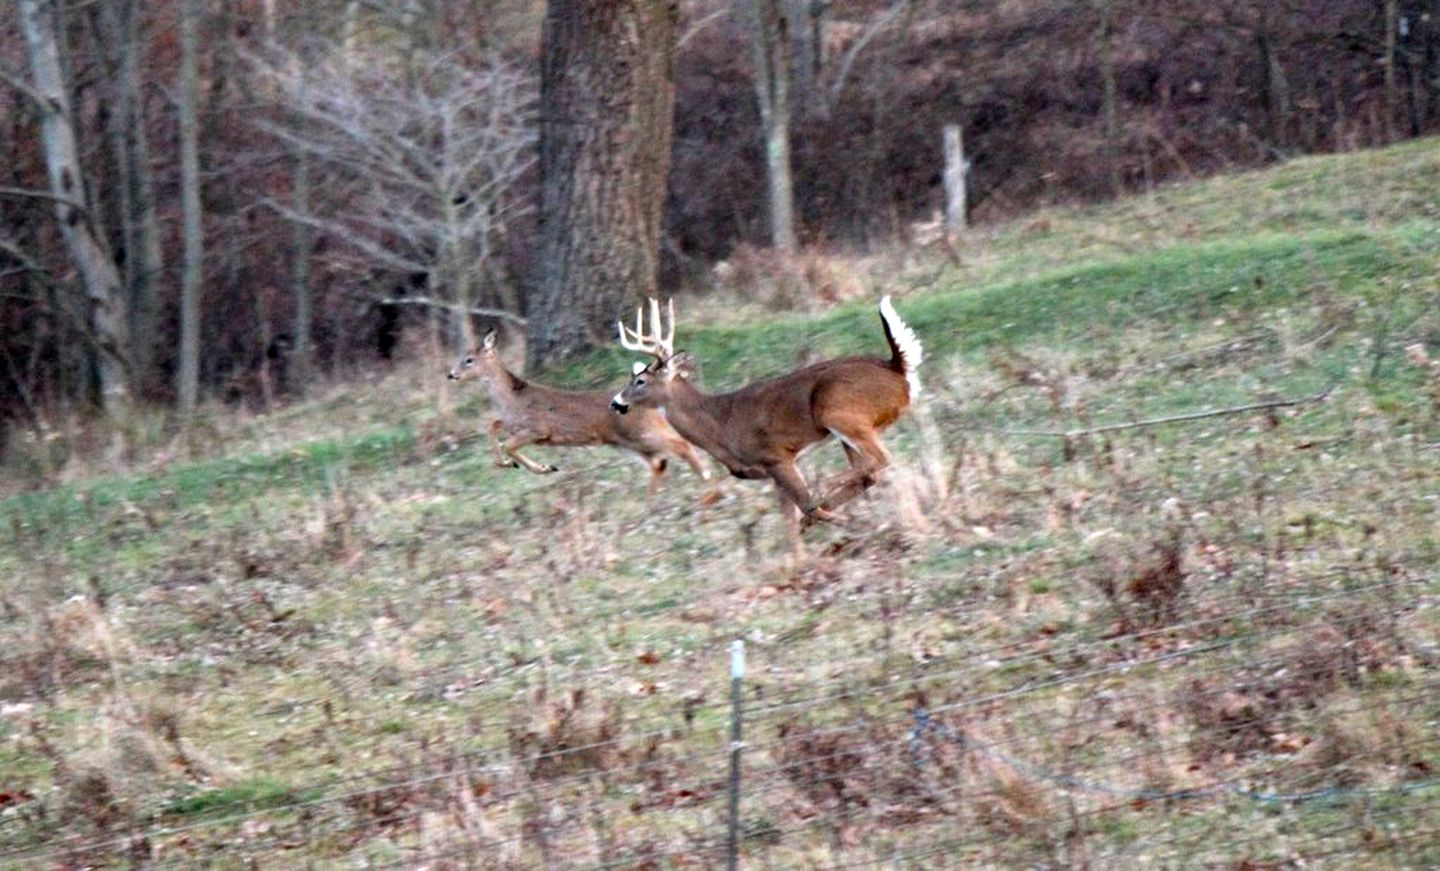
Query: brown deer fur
{"x":527,"y":413}
{"x":759,"y":430}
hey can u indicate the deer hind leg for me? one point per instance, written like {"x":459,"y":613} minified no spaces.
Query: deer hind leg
{"x":794,"y":526}
{"x":512,"y":449}
{"x":867,"y":458}
{"x":792,"y":485}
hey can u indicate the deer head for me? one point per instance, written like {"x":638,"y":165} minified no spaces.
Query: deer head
{"x":479,"y":361}
{"x":650,"y":383}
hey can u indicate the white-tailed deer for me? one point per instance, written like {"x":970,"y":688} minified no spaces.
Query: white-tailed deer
{"x":533,"y":414}
{"x":759,"y":430}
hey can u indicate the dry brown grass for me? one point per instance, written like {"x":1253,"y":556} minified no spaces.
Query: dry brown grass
{"x":334,"y":646}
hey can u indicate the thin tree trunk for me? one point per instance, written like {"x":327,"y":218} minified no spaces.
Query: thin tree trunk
{"x":194,"y":252}
{"x":1107,"y":74}
{"x":955,"y":169}
{"x":120,"y":21}
{"x":606,"y":110}
{"x":108,"y":317}
{"x":348,"y":28}
{"x":1275,"y":87}
{"x":770,"y":51}
{"x":1430,"y":63}
{"x":1392,"y":18}
{"x":302,"y":360}
{"x":1412,"y":80}
{"x":807,"y":17}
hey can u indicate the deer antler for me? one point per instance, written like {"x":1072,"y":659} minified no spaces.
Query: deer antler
{"x":658,"y":342}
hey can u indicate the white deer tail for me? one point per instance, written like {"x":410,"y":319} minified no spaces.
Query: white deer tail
{"x":906,"y":351}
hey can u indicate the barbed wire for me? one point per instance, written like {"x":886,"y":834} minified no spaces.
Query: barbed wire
{"x":551,"y":784}
{"x":896,"y":688}
{"x":558,"y":675}
{"x":925,"y":724}
{"x":820,"y":696}
{"x":508,"y":758}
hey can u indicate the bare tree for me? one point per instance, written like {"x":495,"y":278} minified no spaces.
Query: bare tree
{"x":88,"y":247}
{"x":420,"y":166}
{"x":607,"y":106}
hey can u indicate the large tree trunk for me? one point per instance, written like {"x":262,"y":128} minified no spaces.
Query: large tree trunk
{"x":88,"y":248}
{"x":606,"y":107}
{"x":194,"y":252}
{"x":770,"y":50}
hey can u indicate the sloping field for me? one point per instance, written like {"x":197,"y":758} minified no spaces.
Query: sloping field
{"x":1080,"y":623}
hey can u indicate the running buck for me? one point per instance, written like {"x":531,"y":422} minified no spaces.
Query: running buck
{"x":760,"y":429}
{"x":533,"y":414}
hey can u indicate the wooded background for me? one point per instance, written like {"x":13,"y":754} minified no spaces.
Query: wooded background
{"x":282,"y":186}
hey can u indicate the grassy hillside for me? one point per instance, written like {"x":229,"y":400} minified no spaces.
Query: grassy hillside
{"x":345,"y":636}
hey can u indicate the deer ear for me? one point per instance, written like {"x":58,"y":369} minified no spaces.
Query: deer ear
{"x":489,"y":340}
{"x":681,"y":365}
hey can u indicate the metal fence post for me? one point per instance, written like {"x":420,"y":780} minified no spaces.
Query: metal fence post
{"x":737,"y":677}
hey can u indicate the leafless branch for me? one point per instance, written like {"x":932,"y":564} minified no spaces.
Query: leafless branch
{"x":431,"y":302}
{"x":32,"y":194}
{"x":426,"y":161}
{"x":78,"y":323}
{"x":11,"y":249}
{"x":882,"y":21}
{"x":18,"y":82}
{"x":344,"y":231}
{"x":700,"y":25}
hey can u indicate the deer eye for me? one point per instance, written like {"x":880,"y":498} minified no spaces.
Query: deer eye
{"x":469,"y":361}
{"x":640,"y":381}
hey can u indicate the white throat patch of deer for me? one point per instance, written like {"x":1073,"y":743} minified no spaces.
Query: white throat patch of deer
{"x":760,"y":429}
{"x":527,"y":414}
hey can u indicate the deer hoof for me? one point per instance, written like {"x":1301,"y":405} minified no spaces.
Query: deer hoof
{"x":548,"y":469}
{"x":818,"y":515}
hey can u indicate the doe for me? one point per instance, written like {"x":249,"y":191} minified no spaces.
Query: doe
{"x":527,"y":413}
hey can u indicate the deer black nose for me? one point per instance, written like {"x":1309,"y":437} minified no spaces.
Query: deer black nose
{"x":452,"y":376}
{"x":617,"y":406}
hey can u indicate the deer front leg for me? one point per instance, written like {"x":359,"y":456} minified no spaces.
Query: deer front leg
{"x":512,"y":449}
{"x":657,"y":473}
{"x":687,"y":452}
{"x":500,"y":459}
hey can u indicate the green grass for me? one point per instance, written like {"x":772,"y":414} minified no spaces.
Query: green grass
{"x":238,"y":799}
{"x":351,"y":587}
